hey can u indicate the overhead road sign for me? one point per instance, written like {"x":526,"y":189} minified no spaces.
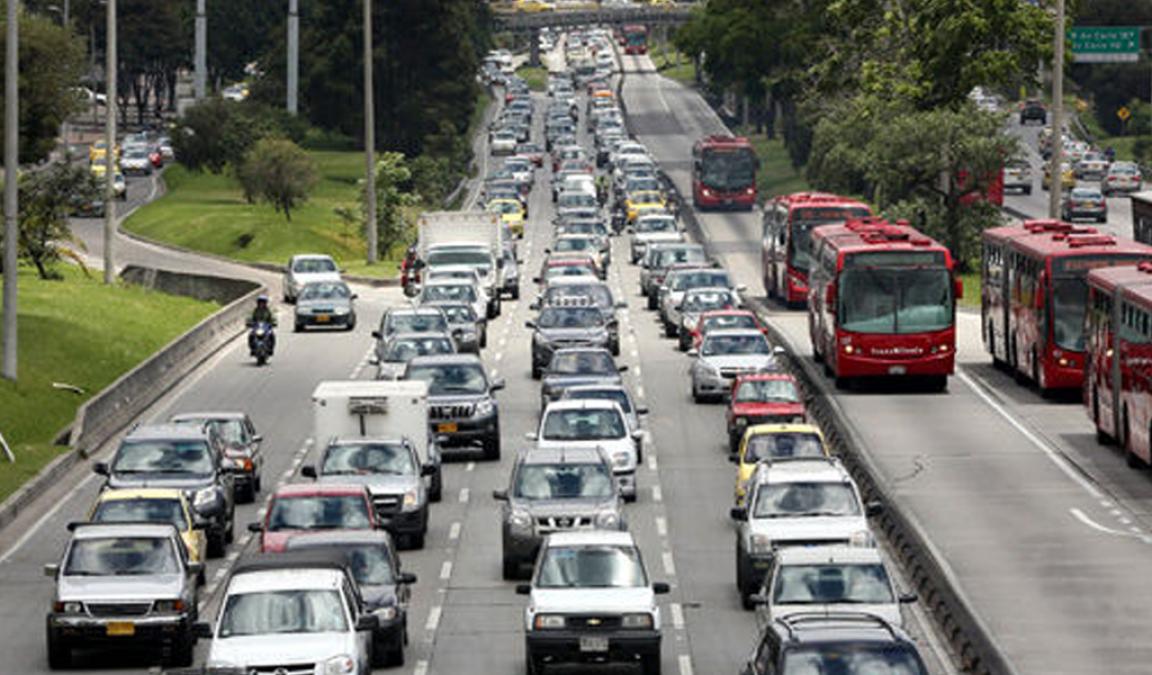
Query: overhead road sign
{"x":1105,"y":44}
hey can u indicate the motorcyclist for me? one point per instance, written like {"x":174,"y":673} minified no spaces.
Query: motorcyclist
{"x":262,"y":313}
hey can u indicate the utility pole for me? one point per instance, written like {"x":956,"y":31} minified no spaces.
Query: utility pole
{"x":110,"y":67}
{"x":11,"y":205}
{"x":1056,"y":181}
{"x":201,"y":61}
{"x":369,"y":139}
{"x":293,"y":53}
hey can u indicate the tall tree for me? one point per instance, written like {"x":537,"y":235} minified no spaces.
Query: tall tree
{"x":156,"y":41}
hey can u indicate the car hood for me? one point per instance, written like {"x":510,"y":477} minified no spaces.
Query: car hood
{"x":607,"y":600}
{"x":742,"y":361}
{"x":378,"y":596}
{"x":566,"y":507}
{"x":311,"y":277}
{"x":119,"y":588}
{"x":247,"y":651}
{"x":890,"y":612}
{"x":573,"y":333}
{"x":332,"y":303}
{"x":160,"y":480}
{"x":654,"y":237}
{"x":783,"y":530}
{"x":376,"y":483}
{"x":557,"y":381}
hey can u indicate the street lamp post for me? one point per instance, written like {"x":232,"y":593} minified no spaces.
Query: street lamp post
{"x":110,"y":66}
{"x":11,"y":205}
{"x":201,"y":59}
{"x":1056,"y":177}
{"x":293,"y":54}
{"x":369,"y":139}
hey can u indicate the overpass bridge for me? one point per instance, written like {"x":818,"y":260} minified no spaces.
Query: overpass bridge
{"x":528,"y":24}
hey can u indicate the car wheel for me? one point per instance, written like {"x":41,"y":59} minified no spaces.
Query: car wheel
{"x":536,"y":372}
{"x":298,"y":327}
{"x":416,"y":541}
{"x":180,"y":652}
{"x":492,"y":448}
{"x":217,"y":542}
{"x":59,"y":653}
{"x":511,"y":568}
{"x":742,"y":579}
{"x":230,"y":533}
{"x":696,"y":397}
{"x":650,"y":664}
{"x":516,"y":292}
{"x":436,"y":490}
{"x":651,"y":301}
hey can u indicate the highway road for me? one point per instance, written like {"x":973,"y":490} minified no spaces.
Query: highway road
{"x":1046,"y":531}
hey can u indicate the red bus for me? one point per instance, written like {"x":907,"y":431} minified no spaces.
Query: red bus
{"x":786,"y":244}
{"x":1033,"y":295}
{"x":634,"y":39}
{"x":882,"y":302}
{"x":1118,"y":378}
{"x":724,"y":173}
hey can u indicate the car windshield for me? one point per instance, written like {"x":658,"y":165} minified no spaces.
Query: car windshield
{"x":325,"y":292}
{"x":792,"y":500}
{"x":187,"y":457}
{"x":1126,"y":169}
{"x":1085,"y":194}
{"x":583,"y":425}
{"x":448,"y":380}
{"x":656,"y":225}
{"x":894,"y":300}
{"x":464,"y":292}
{"x":506,"y":207}
{"x":563,"y":481}
{"x":687,"y":280}
{"x":644,"y":183}
{"x":570,"y":244}
{"x":231,"y":430}
{"x":362,"y":458}
{"x":459,"y":257}
{"x":767,"y":391}
{"x":729,"y":321}
{"x":789,"y":445}
{"x":417,"y":323}
{"x":832,"y":584}
{"x":617,"y":396}
{"x":460,"y":313}
{"x":402,"y":350}
{"x":121,"y":556}
{"x":805,"y":220}
{"x":853,"y":658}
{"x":287,"y":611}
{"x":576,"y":199}
{"x":319,"y":512}
{"x":141,"y":511}
{"x":313,"y":265}
{"x":570,"y":317}
{"x":724,"y":345}
{"x":582,"y":363}
{"x":728,"y":169}
{"x":570,"y":271}
{"x":591,"y":567}
{"x":704,"y":301}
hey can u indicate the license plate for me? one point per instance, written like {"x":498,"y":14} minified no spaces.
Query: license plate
{"x":322,"y":318}
{"x":447,"y":428}
{"x":121,"y":628}
{"x":593,"y":644}
{"x":897,"y":370}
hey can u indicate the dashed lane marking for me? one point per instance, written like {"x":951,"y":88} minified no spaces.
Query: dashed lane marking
{"x":661,"y":526}
{"x":454,"y":532}
{"x":685,"y":663}
{"x":464,"y":492}
{"x":657,"y":494}
{"x":470,"y":466}
{"x":669,"y":563}
{"x":421,"y":668}
{"x":677,"y":611}
{"x":433,"y":619}
{"x":446,"y":570}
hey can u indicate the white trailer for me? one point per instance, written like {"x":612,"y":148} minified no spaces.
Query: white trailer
{"x":459,"y":228}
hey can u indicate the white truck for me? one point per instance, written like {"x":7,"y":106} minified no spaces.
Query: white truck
{"x":358,"y":410}
{"x":473,"y":239}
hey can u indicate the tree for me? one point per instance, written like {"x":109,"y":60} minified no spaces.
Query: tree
{"x":47,"y":197}
{"x":392,"y":175}
{"x":279,"y":172}
{"x":217,"y":133}
{"x":155,"y":43}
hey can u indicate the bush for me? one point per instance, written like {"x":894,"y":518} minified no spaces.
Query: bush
{"x":217,"y":133}
{"x":277,"y":171}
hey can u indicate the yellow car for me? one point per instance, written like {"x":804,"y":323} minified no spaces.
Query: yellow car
{"x":1067,"y":177}
{"x":511,"y":214}
{"x":775,"y":442}
{"x":98,"y":151}
{"x":154,"y":505}
{"x":534,"y":6}
{"x":643,"y":198}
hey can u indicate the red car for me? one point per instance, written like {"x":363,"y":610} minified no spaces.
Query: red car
{"x":531,"y":151}
{"x":567,"y":266}
{"x":156,"y":157}
{"x":763,"y":398}
{"x":306,"y":507}
{"x":719,"y":318}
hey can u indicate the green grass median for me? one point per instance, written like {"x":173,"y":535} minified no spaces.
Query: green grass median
{"x":77,"y":332}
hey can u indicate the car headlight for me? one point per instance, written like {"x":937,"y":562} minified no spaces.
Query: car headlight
{"x":709,"y":369}
{"x":608,"y":520}
{"x":341,"y":310}
{"x":485,"y":408}
{"x":411,"y":500}
{"x":386,"y":613}
{"x":689,"y":320}
{"x":540,"y":339}
{"x":761,"y":544}
{"x":620,"y":459}
{"x":862,"y":539}
{"x":204,"y":497}
{"x":69,"y":607}
{"x":741,"y":422}
{"x":340,"y":665}
{"x":168,"y":606}
{"x":549,"y":621}
{"x":636,"y":621}
{"x":520,"y":520}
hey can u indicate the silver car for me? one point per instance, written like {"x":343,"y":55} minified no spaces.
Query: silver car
{"x":725,"y":354}
{"x":1122,"y":177}
{"x":469,"y":330}
{"x":403,"y":347}
{"x":325,"y":303}
{"x":305,"y":269}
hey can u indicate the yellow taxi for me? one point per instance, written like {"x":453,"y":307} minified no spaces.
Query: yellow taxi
{"x":534,"y":6}
{"x":511,"y":214}
{"x":1067,"y":177}
{"x":154,"y":505}
{"x":99,"y":150}
{"x":643,"y":199}
{"x":775,"y":443}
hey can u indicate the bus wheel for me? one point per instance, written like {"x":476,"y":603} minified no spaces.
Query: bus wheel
{"x":997,"y":362}
{"x":1130,"y":456}
{"x":938,"y":383}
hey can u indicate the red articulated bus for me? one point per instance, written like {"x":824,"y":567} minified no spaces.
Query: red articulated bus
{"x":1033,"y":296}
{"x":882,"y":302}
{"x":786,"y":245}
{"x":1118,"y":379}
{"x":724,"y":173}
{"x":634,"y":39}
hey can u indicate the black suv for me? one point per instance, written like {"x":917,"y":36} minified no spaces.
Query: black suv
{"x":462,"y":406}
{"x":821,"y":642}
{"x":1033,"y":110}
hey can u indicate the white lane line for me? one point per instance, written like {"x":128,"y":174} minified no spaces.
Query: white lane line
{"x":1083,"y":518}
{"x":635,"y":354}
{"x":421,"y":668}
{"x":499,"y":356}
{"x":433,"y":619}
{"x":669,"y":564}
{"x":652,"y":461}
{"x":244,"y":540}
{"x":42,"y":520}
{"x":661,"y":526}
{"x":286,"y":474}
{"x":220,"y":573}
{"x":685,"y":663}
{"x":446,"y":570}
{"x":454,"y":532}
{"x":677,"y":612}
{"x":470,"y":466}
{"x":657,"y":494}
{"x":464,"y":492}
{"x":1055,"y":457}
{"x":640,"y":391}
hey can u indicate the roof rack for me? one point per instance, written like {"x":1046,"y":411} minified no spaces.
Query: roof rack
{"x":1047,"y":225}
{"x":1082,"y":240}
{"x":72,"y":526}
{"x":792,"y":621}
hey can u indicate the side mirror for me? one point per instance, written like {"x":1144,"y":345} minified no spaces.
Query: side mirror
{"x":367,"y":622}
{"x":873,"y":508}
{"x":100,"y":468}
{"x":355,"y":296}
{"x":51,"y":570}
{"x":693,"y":352}
{"x":734,"y":457}
{"x":373,"y":360}
{"x":758,"y":599}
{"x":738,"y":513}
{"x":740,"y":288}
{"x":523,"y":589}
{"x":255,"y":527}
{"x":497,"y":384}
{"x":378,"y":335}
{"x":308,"y":471}
{"x":428,"y":470}
{"x":199,"y":523}
{"x":195,"y":568}
{"x":535,"y":280}
{"x":621,"y":305}
{"x":623,"y":369}
{"x":257,"y":438}
{"x":638,"y":435}
{"x":202,"y":629}
{"x":406,"y":578}
{"x":779,"y":351}
{"x":530,"y":324}
{"x":531,"y":436}
{"x":908,"y":598}
{"x":500,"y":495}
{"x":958,"y":288}
{"x":641,"y":410}
{"x":661,"y":588}
{"x":535,"y":307}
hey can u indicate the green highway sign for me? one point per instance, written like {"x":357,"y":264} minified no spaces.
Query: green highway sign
{"x":1105,"y":44}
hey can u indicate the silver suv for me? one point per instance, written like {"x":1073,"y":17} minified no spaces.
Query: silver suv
{"x":123,"y":584}
{"x":555,"y":490}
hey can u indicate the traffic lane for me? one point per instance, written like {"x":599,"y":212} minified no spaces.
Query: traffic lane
{"x":275,"y":396}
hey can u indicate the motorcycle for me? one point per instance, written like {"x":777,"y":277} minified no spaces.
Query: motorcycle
{"x":260,"y":341}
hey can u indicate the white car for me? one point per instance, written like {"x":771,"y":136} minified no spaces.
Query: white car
{"x":591,"y":600}
{"x":456,"y":290}
{"x":828,"y":579}
{"x":725,"y":354}
{"x":273,"y":614}
{"x":798,"y":503}
{"x":594,"y":423}
{"x":503,"y":142}
{"x":653,"y":228}
{"x":679,"y":282}
{"x":308,"y":269}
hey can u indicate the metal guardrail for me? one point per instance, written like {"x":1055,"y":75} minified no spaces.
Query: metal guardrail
{"x":531,"y":21}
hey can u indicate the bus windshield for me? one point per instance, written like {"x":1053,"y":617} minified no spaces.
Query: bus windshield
{"x":804,"y":220}
{"x":728,"y":170}
{"x":895,"y":301}
{"x":1069,"y":299}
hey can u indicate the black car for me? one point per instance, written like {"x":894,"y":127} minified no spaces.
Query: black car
{"x":1033,"y":111}
{"x":564,"y":326}
{"x":575,"y":366}
{"x":462,"y":407}
{"x":828,"y":642}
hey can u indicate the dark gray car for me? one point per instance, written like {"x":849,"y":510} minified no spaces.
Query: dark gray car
{"x":570,"y":367}
{"x":469,"y":330}
{"x":242,"y":454}
{"x":565,"y":326}
{"x":462,"y":408}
